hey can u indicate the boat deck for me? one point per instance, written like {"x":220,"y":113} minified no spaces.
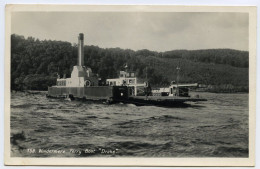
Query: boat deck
{"x":167,"y":98}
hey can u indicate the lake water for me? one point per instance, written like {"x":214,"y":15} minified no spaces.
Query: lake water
{"x":44,"y":127}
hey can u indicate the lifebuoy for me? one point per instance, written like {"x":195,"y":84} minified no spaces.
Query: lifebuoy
{"x":87,"y":83}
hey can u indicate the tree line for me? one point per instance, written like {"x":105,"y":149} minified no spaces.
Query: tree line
{"x":36,"y":63}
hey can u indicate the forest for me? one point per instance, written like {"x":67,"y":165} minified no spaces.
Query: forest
{"x":35,"y":64}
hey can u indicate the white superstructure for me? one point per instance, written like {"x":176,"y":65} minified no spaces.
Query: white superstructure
{"x":126,"y":79}
{"x":80,"y":75}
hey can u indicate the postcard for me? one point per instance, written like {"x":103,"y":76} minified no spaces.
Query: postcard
{"x":130,"y":85}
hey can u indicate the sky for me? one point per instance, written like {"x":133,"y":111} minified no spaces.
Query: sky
{"x":157,"y":31}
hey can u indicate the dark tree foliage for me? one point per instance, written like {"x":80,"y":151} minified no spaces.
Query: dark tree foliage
{"x":35,"y":64}
{"x":230,"y":57}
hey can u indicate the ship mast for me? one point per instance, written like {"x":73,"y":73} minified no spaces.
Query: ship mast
{"x":126,"y":70}
{"x":146,"y":73}
{"x":177,"y":80}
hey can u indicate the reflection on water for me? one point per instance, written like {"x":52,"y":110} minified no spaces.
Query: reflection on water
{"x":40,"y":127}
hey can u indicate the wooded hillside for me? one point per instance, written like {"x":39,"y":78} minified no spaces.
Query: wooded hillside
{"x":35,"y":64}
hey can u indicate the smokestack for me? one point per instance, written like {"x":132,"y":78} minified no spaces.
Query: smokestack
{"x":81,"y":50}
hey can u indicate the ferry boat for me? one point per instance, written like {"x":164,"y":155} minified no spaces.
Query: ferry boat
{"x":84,"y":84}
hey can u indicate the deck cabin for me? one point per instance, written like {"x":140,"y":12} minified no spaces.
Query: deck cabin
{"x":126,"y":79}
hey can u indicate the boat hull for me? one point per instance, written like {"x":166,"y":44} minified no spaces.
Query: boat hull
{"x":162,"y":100}
{"x":107,"y":93}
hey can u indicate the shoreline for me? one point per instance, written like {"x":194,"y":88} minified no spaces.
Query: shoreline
{"x":197,"y":91}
